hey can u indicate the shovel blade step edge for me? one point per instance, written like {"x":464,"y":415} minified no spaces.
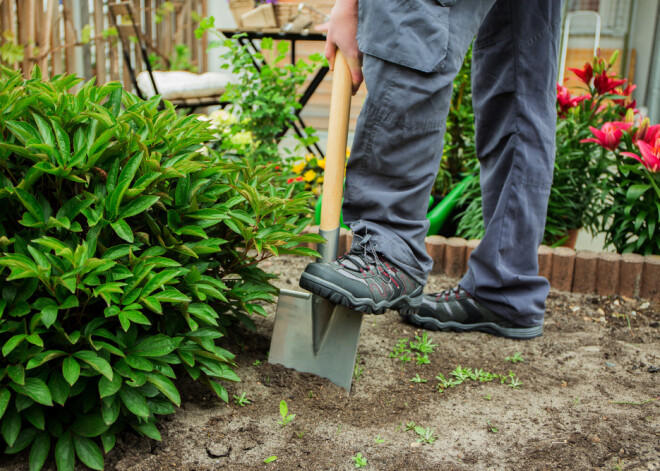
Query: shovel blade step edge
{"x":314,"y":336}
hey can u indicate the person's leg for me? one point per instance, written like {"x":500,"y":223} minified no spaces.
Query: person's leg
{"x":514,"y":95}
{"x":514,"y":72}
{"x":413,"y":50}
{"x":399,"y":137}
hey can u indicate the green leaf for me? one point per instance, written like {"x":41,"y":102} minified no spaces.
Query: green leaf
{"x":5,"y":395}
{"x":171,"y":295}
{"x":11,"y":426}
{"x":148,"y":429}
{"x":154,"y":346}
{"x":70,"y":370}
{"x":165,"y":386}
{"x":12,"y":343}
{"x":110,"y":412}
{"x":31,"y":204}
{"x":65,"y":456}
{"x":59,"y":388}
{"x":63,"y":142}
{"x":134,"y":401}
{"x":35,"y":415}
{"x":107,"y":387}
{"x":108,"y":440}
{"x":16,"y":373}
{"x":35,"y":389}
{"x":96,"y":362}
{"x":138,"y":206}
{"x":25,"y":437}
{"x":39,"y":451}
{"x":43,"y":357}
{"x":123,"y":230}
{"x":636,"y":191}
{"x":219,"y":390}
{"x":89,"y":425}
{"x":88,"y":452}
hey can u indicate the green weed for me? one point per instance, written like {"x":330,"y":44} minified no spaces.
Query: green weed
{"x":359,"y":460}
{"x":417,"y":379}
{"x":284,"y":412}
{"x":516,"y":358}
{"x":242,"y":400}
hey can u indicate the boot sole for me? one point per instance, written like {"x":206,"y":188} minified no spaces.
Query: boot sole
{"x":338,"y":295}
{"x":430,"y":323}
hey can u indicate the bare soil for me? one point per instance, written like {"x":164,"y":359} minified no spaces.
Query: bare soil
{"x":589,"y":399}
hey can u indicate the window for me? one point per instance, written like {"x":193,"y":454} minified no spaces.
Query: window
{"x":615,"y":15}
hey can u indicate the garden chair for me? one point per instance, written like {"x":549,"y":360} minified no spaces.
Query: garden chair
{"x":181,"y":88}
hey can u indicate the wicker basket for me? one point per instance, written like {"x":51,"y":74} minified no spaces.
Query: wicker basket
{"x":285,"y":12}
{"x":239,"y":8}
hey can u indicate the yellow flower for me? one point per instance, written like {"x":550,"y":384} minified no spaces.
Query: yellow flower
{"x":320,"y":163}
{"x":348,"y":152}
{"x":309,"y":157}
{"x":309,"y":175}
{"x":319,"y":179}
{"x":298,"y":168}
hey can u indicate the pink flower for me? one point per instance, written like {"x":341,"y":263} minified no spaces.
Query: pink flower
{"x":566,"y":101}
{"x":650,"y":155}
{"x":647,"y":133}
{"x":585,"y":74}
{"x":609,"y":135}
{"x":605,"y":84}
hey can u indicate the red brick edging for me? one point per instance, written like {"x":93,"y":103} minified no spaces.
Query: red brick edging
{"x":581,"y":271}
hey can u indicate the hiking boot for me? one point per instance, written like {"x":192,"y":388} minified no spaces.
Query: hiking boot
{"x":363,"y":280}
{"x":455,"y":309}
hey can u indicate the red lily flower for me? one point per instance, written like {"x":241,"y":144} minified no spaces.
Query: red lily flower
{"x":585,"y":74}
{"x":566,"y":101}
{"x":647,"y":133}
{"x":605,"y":84}
{"x":650,"y":155}
{"x":624,"y":101}
{"x":609,"y":135}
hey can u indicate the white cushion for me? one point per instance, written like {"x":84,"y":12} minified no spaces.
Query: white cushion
{"x":179,"y":84}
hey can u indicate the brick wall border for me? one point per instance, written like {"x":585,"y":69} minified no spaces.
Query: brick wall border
{"x":581,"y":271}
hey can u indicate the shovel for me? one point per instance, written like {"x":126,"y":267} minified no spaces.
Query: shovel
{"x":311,"y":334}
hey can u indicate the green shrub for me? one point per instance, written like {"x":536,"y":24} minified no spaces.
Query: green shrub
{"x":125,"y":252}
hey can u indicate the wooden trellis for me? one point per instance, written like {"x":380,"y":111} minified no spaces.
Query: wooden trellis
{"x":75,"y":36}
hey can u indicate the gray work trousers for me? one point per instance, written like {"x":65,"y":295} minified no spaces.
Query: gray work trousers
{"x":413,"y":49}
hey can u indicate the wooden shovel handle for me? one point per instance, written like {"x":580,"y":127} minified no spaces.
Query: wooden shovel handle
{"x":335,"y":160}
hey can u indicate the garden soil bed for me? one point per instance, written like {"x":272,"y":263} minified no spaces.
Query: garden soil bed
{"x":589,"y":399}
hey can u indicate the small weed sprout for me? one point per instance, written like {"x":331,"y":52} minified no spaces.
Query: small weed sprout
{"x":284,"y":412}
{"x":409,"y":426}
{"x":359,"y":460}
{"x":378,"y":439}
{"x":576,"y":400}
{"x":492,"y":428}
{"x":270,"y":459}
{"x":418,"y":349}
{"x":300,"y":434}
{"x":417,"y":379}
{"x":357,"y":369}
{"x":426,"y":435}
{"x":516,"y":358}
{"x":242,"y":400}
{"x":256,"y":363}
{"x":461,"y":375}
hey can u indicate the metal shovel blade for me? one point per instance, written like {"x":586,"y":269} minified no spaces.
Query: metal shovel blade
{"x":315,"y":336}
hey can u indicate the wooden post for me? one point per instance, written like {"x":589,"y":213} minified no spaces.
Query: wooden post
{"x":83,"y":11}
{"x":56,"y":40}
{"x":205,"y":41}
{"x":69,"y":37}
{"x":46,"y":34}
{"x":99,"y":27}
